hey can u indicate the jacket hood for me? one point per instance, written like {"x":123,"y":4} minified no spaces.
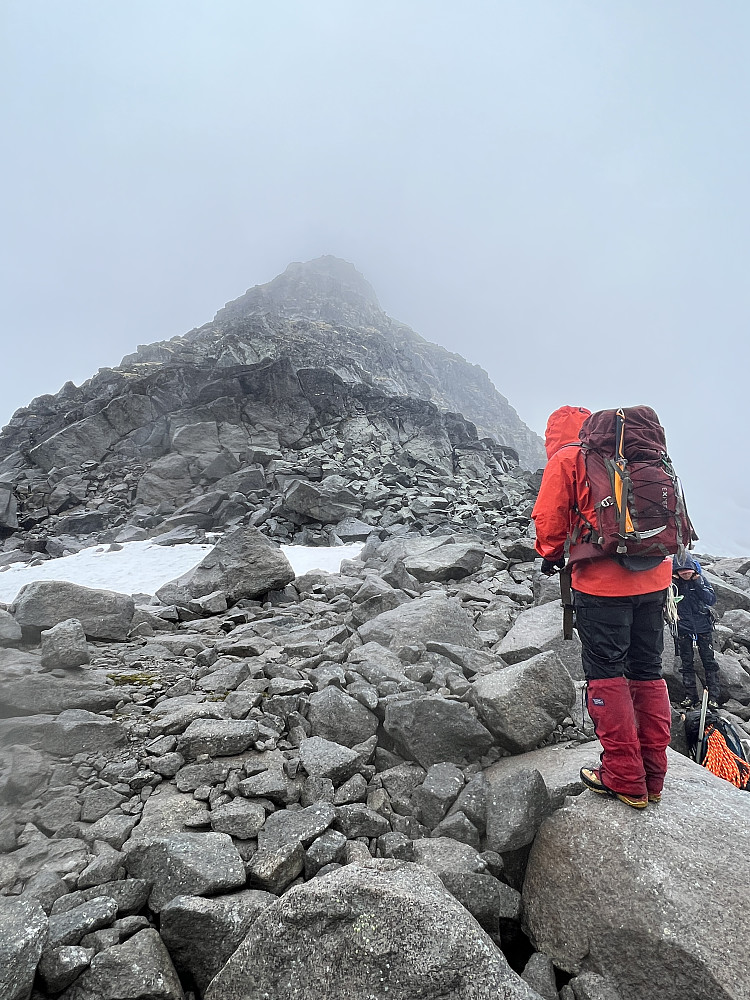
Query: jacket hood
{"x":685,"y":561}
{"x":563,"y":427}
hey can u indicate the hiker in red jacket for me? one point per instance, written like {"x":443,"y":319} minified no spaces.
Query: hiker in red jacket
{"x":619,"y":617}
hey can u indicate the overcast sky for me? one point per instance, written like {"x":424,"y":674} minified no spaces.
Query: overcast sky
{"x":556,"y":189}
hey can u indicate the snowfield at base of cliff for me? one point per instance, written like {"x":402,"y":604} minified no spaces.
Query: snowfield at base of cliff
{"x":142,"y":567}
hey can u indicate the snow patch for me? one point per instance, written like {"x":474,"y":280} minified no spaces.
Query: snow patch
{"x":142,"y":567}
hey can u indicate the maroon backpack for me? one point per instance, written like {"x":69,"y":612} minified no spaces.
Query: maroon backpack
{"x":640,"y":511}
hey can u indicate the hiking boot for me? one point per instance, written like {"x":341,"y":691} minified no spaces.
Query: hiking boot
{"x":689,"y":703}
{"x":654,"y":796}
{"x":590,"y":778}
{"x":712,"y":703}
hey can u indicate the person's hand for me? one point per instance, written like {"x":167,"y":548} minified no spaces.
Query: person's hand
{"x":549,"y":566}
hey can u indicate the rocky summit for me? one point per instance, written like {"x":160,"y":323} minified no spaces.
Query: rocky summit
{"x":360,"y":784}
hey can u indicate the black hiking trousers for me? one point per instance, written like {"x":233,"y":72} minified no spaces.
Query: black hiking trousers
{"x":704,"y":641}
{"x":621,"y":636}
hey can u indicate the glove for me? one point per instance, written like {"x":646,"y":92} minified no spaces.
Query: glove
{"x":550,"y":565}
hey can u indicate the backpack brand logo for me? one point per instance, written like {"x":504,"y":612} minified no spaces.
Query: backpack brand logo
{"x":598,"y":701}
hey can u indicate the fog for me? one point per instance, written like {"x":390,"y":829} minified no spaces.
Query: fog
{"x":555,"y":189}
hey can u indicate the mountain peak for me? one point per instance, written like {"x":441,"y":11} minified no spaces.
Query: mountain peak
{"x":327,"y":289}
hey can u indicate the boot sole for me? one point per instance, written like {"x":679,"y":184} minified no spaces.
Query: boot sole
{"x":595,"y":785}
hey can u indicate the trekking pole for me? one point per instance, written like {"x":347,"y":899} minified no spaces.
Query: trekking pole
{"x":702,"y":726}
{"x":566,"y":597}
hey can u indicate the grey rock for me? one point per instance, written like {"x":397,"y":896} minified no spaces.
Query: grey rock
{"x":64,"y":646}
{"x":238,"y":818}
{"x":167,"y":811}
{"x":438,"y":792}
{"x":558,"y":764}
{"x":448,"y":562}
{"x":42,"y":693}
{"x":202,"y":934}
{"x":23,"y":926}
{"x":357,"y":820}
{"x":297,"y":943}
{"x":522,"y":704}
{"x":69,"y":927}
{"x":301,"y":826}
{"x":459,"y":827}
{"x":427,"y":618}
{"x":270,"y":784}
{"x":10,"y":630}
{"x":244,"y":564}
{"x":486,"y":899}
{"x":516,"y":805}
{"x":442,"y":854}
{"x":539,"y":630}
{"x":335,"y":716}
{"x":138,"y":969}
{"x":635,"y":899}
{"x":217,"y":737}
{"x":539,"y":973}
{"x":325,"y":759}
{"x":59,"y":967}
{"x":186,"y":864}
{"x":329,"y":848}
{"x":272,"y":869}
{"x":728,"y":597}
{"x":129,"y":894}
{"x":73,"y":731}
{"x":59,"y":812}
{"x":102,"y":613}
{"x":432,"y":729}
{"x":327,"y":501}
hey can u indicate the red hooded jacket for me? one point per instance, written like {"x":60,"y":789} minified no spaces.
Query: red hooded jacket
{"x":563,"y":488}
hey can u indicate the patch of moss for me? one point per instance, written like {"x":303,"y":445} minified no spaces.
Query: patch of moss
{"x":120,"y":680}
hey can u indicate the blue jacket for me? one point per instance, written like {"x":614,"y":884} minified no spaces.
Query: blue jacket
{"x":697,"y":597}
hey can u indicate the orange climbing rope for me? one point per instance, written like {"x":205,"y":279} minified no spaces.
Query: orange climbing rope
{"x":721,"y":761}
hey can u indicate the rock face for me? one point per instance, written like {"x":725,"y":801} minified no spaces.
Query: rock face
{"x":383,"y":926}
{"x":102,"y":613}
{"x":637,"y":907}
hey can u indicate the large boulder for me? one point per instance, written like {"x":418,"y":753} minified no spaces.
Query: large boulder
{"x":103,"y":614}
{"x":431,"y":729}
{"x":448,"y":562}
{"x":327,"y":501}
{"x":644,"y":898}
{"x":382,"y":928}
{"x":538,"y":630}
{"x":521,"y":705}
{"x":433,"y":617}
{"x":243,"y":564}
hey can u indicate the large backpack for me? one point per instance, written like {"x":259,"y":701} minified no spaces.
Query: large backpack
{"x":720,"y":750}
{"x":640,"y":512}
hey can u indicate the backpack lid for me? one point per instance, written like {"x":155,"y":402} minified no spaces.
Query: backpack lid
{"x":644,"y":439}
